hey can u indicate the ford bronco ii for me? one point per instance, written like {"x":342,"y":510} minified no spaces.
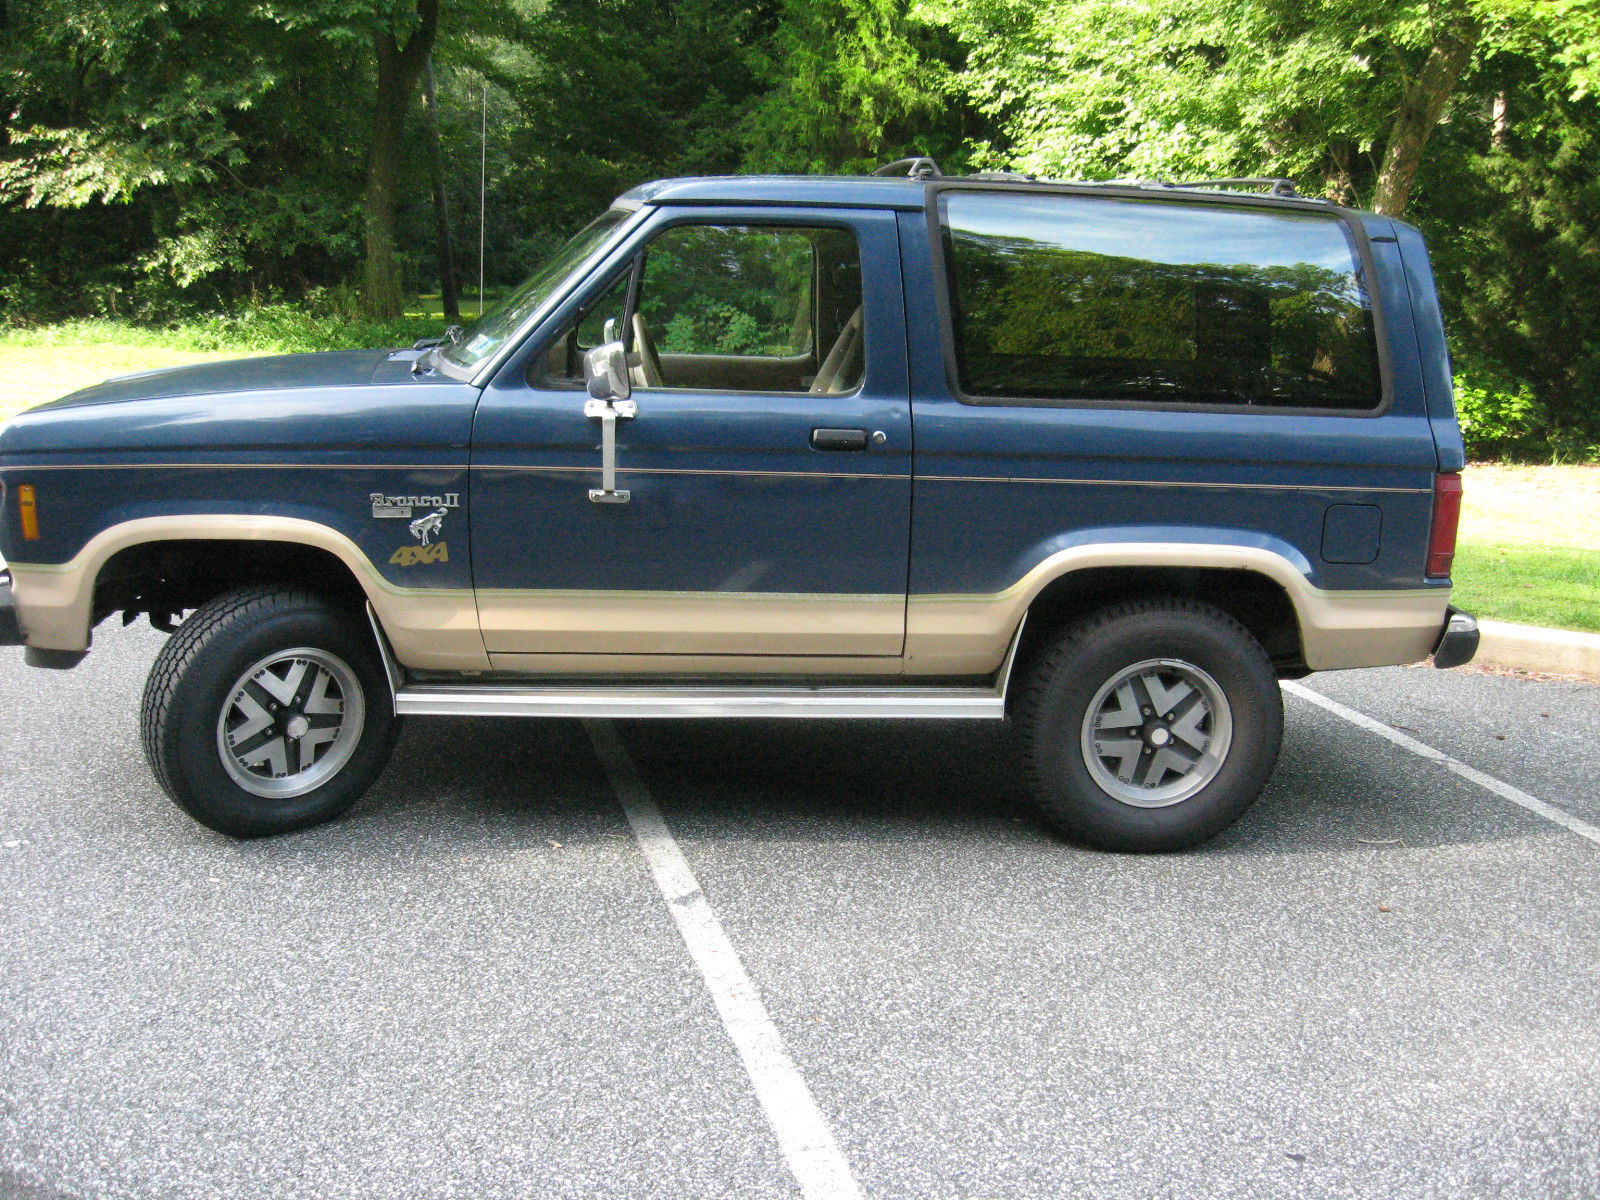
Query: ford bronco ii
{"x":1103,"y":460}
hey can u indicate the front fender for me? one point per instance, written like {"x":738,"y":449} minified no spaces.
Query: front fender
{"x":430,"y":628}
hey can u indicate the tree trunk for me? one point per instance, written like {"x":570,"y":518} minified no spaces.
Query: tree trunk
{"x":398,"y":68}
{"x":1420,"y":110}
{"x":448,"y":292}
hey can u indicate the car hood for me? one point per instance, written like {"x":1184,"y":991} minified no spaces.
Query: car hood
{"x":278,"y":409}
{"x":337,"y":368}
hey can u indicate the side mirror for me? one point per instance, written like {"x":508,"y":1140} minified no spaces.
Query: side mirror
{"x":605,"y":370}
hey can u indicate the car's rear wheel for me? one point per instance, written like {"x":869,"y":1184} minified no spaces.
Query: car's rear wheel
{"x":1149,"y":726}
{"x":267,"y":711}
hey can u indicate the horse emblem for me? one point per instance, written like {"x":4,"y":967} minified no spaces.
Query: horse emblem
{"x":425,"y":527}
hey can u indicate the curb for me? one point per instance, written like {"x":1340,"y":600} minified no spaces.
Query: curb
{"x":1531,"y":648}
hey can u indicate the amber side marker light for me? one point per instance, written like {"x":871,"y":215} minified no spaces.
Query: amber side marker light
{"x":27,"y":509}
{"x":1446,"y":517}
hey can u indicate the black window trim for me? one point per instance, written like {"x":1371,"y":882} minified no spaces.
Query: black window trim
{"x":1350,"y":220}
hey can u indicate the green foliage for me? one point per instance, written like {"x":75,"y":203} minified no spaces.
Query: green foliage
{"x":729,"y":290}
{"x":1520,"y":281}
{"x":276,"y":328}
{"x":1500,"y":417}
{"x":851,"y":84}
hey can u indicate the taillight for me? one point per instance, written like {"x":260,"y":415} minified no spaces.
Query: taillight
{"x":1446,"y":517}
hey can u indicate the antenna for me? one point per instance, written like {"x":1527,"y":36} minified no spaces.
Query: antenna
{"x":483,"y":190}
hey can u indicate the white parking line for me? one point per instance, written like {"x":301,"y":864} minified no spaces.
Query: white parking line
{"x":1488,"y":782}
{"x":803,"y":1135}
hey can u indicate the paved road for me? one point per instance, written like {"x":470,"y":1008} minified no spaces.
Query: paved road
{"x":473,"y":988}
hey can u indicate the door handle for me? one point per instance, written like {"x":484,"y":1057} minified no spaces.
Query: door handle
{"x":609,"y":412}
{"x":838,"y":439}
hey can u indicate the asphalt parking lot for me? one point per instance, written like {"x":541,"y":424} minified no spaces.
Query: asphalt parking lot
{"x":1383,"y":982}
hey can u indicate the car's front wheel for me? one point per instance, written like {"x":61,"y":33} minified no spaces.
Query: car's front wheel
{"x":267,"y":711}
{"x":1150,"y":726}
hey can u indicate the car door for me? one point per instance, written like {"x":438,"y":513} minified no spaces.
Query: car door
{"x":760,"y":517}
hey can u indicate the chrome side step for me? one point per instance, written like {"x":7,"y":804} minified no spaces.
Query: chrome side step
{"x":699,"y":701}
{"x":520,"y":699}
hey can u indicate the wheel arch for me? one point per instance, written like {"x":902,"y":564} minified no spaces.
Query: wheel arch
{"x":1304,"y":627}
{"x":1257,"y":601}
{"x":159,"y":563}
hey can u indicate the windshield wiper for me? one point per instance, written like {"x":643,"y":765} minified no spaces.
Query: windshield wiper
{"x":451,"y":335}
{"x":425,"y":362}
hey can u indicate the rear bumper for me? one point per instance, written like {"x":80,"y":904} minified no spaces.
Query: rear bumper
{"x":10,"y":627}
{"x":1458,"y":641}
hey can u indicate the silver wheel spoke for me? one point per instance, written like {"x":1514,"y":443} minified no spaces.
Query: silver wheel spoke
{"x":1125,"y":751}
{"x":319,"y":702}
{"x":1164,"y":762}
{"x":1187,"y":727}
{"x":284,"y":688}
{"x":310,"y":742}
{"x":273,"y":755}
{"x":1126,"y":714}
{"x":255,"y":720}
{"x":1163,"y":698}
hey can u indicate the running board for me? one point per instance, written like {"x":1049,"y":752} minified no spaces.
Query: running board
{"x":700,"y":701}
{"x":525,"y":699}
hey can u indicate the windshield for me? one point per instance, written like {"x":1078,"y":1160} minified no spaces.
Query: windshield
{"x":482,"y":338}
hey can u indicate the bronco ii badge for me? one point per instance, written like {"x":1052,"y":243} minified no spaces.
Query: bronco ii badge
{"x":401,"y":506}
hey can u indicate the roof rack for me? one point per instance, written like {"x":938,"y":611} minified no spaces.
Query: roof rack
{"x":1275,"y":186}
{"x":920,"y":167}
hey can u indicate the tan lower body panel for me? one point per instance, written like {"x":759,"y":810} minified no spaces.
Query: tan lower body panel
{"x":968,"y":634}
{"x":431,"y":630}
{"x":733,"y":633}
{"x":752,"y":625}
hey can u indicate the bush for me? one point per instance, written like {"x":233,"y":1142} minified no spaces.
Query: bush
{"x":1500,"y":416}
{"x":279,"y":328}
{"x":1503,"y":417}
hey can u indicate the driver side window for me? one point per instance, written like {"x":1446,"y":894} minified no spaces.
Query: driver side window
{"x":732,"y":308}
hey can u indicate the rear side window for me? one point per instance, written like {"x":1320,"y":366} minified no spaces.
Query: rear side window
{"x":1088,"y":298}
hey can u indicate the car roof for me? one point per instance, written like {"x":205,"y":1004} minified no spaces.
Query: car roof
{"x":901,"y":192}
{"x":858,"y":191}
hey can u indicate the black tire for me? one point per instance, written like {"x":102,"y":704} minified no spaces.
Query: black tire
{"x":1141,"y":652}
{"x":343,"y":740}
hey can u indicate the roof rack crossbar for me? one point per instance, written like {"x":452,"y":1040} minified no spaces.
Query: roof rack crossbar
{"x":1278,"y":186}
{"x":920,"y":167}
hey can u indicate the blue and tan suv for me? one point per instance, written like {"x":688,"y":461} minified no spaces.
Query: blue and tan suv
{"x":1105,"y":460}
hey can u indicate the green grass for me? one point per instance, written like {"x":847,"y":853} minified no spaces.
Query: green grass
{"x":1556,"y":586}
{"x":34,"y":374}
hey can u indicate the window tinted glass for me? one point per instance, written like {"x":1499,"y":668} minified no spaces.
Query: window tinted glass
{"x":1097,"y":298}
{"x":729,"y":289}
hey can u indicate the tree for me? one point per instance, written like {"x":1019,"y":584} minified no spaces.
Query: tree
{"x":448,"y":294}
{"x":401,"y":48}
{"x":851,"y":84}
{"x":1343,"y":92}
